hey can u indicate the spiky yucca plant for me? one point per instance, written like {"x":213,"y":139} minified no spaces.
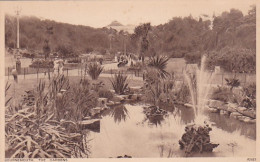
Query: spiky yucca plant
{"x":159,"y":63}
{"x":94,"y":70}
{"x":119,"y":83}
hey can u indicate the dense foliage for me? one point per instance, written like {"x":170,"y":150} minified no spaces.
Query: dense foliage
{"x":229,"y":39}
{"x":42,"y":64}
{"x":64,"y":37}
{"x":245,"y":97}
{"x":49,"y":127}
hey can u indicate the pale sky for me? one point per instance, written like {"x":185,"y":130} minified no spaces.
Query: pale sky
{"x":102,"y":13}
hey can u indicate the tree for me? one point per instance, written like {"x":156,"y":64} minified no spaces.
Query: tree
{"x":155,"y":73}
{"x":65,"y":50}
{"x":140,"y":34}
{"x":46,"y":46}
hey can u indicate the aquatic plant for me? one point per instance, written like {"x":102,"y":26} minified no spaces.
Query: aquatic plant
{"x":119,"y":83}
{"x":94,"y":70}
{"x":196,"y":139}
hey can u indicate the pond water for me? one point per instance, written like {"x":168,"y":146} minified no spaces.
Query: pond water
{"x":127,"y":131}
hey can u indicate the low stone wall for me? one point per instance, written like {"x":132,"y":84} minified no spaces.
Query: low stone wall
{"x":232,"y":110}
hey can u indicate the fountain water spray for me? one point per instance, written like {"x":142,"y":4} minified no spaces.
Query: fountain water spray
{"x":199,"y":83}
{"x":196,"y":137}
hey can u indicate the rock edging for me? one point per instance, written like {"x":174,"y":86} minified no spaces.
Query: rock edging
{"x":232,"y":110}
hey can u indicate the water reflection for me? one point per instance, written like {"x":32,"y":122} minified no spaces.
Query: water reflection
{"x":127,"y":137}
{"x":118,"y":112}
{"x":187,"y":115}
{"x":226,"y":123}
{"x":154,"y":120}
{"x":231,"y":125}
{"x":166,"y":150}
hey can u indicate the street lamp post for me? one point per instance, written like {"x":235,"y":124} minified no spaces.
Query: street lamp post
{"x":18,"y":62}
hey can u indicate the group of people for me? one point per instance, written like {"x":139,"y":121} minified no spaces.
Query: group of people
{"x":58,"y":68}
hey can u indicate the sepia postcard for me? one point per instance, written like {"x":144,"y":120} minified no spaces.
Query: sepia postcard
{"x":109,"y":80}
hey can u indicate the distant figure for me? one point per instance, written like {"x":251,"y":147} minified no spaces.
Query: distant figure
{"x":100,"y":61}
{"x":61,"y":67}
{"x":15,"y":75}
{"x":18,"y":66}
{"x":56,"y":67}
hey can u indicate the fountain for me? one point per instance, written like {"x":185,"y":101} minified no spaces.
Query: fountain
{"x":196,"y":137}
{"x":199,"y":83}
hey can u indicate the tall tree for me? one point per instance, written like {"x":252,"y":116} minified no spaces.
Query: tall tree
{"x":141,"y":34}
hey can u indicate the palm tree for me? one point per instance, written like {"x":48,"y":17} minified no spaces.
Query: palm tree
{"x":155,"y":73}
{"x":159,"y":64}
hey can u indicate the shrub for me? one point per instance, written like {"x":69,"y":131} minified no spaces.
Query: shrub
{"x":224,"y":94}
{"x":83,"y":99}
{"x":74,"y":61}
{"x":221,"y":94}
{"x":94,"y":70}
{"x":232,"y":83}
{"x":103,"y":93}
{"x":183,"y":94}
{"x":249,"y":93}
{"x":42,"y":64}
{"x":193,"y":57}
{"x":233,"y":59}
{"x":119,"y":83}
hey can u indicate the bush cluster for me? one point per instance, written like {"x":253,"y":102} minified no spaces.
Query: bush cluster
{"x":42,"y":64}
